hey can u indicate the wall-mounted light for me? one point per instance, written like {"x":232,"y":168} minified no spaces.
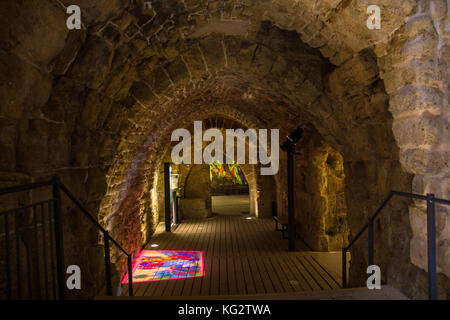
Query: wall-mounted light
{"x":155,"y":245}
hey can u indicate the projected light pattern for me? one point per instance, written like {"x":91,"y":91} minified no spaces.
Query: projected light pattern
{"x":156,"y":265}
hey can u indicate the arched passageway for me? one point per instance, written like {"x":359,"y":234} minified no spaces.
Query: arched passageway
{"x":97,"y":107}
{"x":229,"y":189}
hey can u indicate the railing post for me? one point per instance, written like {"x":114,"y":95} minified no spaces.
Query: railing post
{"x":130,"y":276}
{"x":274,"y":209}
{"x":291,"y":213}
{"x":370,"y":260}
{"x":59,"y":247}
{"x":7,"y":258}
{"x":167,"y":211}
{"x":107,"y":263}
{"x":344,"y":268}
{"x":431,"y":240}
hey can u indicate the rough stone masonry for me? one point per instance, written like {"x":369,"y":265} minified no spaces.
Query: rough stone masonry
{"x":97,"y":106}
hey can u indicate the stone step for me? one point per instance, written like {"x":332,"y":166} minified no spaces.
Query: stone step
{"x":385,"y":293}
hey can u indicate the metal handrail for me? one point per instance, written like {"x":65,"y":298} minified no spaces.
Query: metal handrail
{"x":26,"y":187}
{"x":26,"y":207}
{"x":106,"y":239}
{"x":57,"y":186}
{"x":431,"y":237}
{"x":88,"y":215}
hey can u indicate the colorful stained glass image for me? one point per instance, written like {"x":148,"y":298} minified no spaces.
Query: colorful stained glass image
{"x":156,"y":265}
{"x":228,"y":172}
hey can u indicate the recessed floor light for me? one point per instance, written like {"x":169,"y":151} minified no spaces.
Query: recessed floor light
{"x":294,"y":282}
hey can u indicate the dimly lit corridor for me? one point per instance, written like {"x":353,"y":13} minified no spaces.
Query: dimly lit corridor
{"x":242,"y":256}
{"x":230,"y":205}
{"x":279,"y":140}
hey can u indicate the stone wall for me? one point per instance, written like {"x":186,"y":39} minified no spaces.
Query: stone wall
{"x":414,"y":67}
{"x":266,"y":192}
{"x":196,"y":202}
{"x":320,"y":210}
{"x":97,"y":106}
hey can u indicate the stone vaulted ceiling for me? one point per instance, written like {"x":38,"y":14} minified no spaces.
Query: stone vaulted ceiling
{"x":97,"y":105}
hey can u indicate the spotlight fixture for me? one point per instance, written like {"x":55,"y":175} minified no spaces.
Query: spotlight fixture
{"x":292,"y":139}
{"x":155,"y":245}
{"x":289,"y":147}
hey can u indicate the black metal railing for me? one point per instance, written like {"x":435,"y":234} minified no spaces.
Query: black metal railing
{"x":431,"y":238}
{"x":39,"y":227}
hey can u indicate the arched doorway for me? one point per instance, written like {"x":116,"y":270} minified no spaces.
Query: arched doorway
{"x":230,"y":191}
{"x":196,"y":192}
{"x":100,"y":116}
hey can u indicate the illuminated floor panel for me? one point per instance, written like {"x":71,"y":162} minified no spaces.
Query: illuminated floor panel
{"x":156,"y":265}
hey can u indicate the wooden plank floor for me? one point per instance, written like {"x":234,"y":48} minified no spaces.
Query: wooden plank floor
{"x":242,"y":257}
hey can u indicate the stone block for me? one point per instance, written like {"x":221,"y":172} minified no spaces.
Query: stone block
{"x":119,"y":80}
{"x":61,"y":63}
{"x":418,"y":25}
{"x":177,"y":70}
{"x":443,"y":257}
{"x":424,"y":161}
{"x":45,"y":24}
{"x":418,"y":252}
{"x":418,"y":220}
{"x":438,"y":9}
{"x":59,"y":145}
{"x":194,"y":208}
{"x":32,"y":147}
{"x":24,"y":87}
{"x":263,"y":59}
{"x":417,"y":131}
{"x":115,"y":116}
{"x":142,"y":92}
{"x":424,"y":45}
{"x":93,"y":63}
{"x":213,"y":53}
{"x":431,"y":184}
{"x":8,"y":140}
{"x":246,"y":52}
{"x":95,"y":110}
{"x":417,"y":72}
{"x":414,"y":100}
{"x":99,"y":11}
{"x":66,"y":101}
{"x":159,"y":80}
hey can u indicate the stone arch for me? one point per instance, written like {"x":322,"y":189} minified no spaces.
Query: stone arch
{"x":98,"y":116}
{"x":222,"y":117}
{"x":196,"y":201}
{"x":209,"y":82}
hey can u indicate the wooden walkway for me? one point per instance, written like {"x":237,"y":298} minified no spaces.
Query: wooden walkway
{"x":242,"y":257}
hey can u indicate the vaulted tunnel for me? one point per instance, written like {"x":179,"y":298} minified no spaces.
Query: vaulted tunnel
{"x":98,"y":106}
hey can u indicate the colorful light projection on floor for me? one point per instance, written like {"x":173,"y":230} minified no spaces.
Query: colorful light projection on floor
{"x":156,"y":265}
